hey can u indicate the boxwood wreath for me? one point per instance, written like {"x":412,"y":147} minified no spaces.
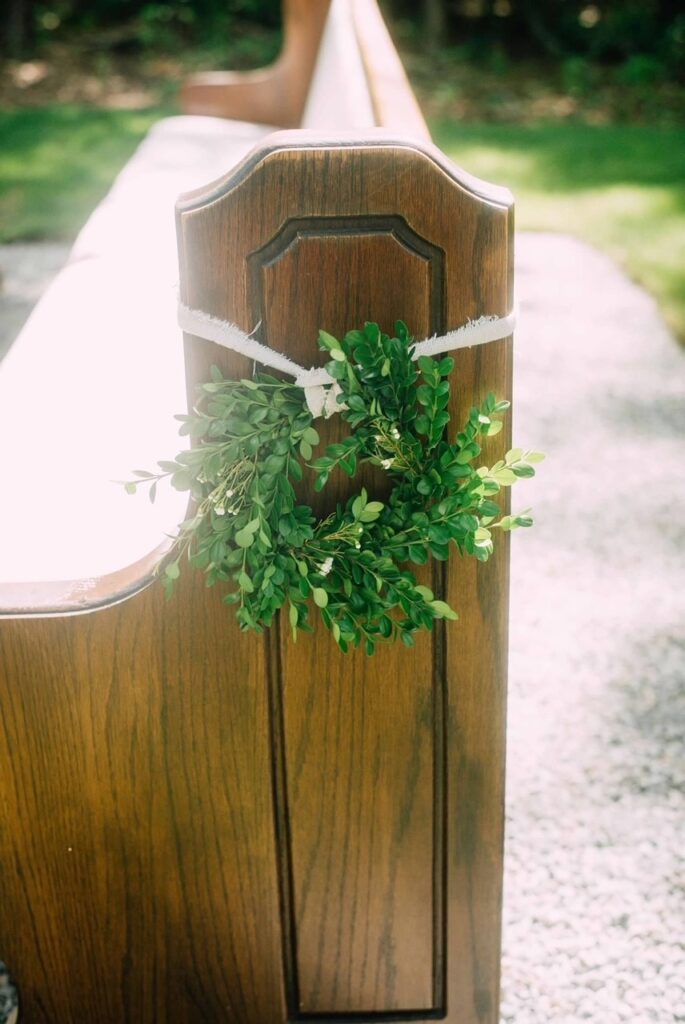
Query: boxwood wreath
{"x":248,"y":530}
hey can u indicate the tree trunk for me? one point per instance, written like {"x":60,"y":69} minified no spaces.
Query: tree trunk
{"x":14,"y":37}
{"x":435,"y":23}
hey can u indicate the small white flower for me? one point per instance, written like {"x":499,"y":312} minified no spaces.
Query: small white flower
{"x":357,"y":544}
{"x":220,"y":510}
{"x":387,"y":463}
{"x":326,"y":566}
{"x":395,"y":433}
{"x":230,"y":493}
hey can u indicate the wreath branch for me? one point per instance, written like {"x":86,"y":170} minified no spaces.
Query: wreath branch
{"x":255,"y":438}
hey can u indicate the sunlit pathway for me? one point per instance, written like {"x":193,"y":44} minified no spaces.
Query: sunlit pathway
{"x":594,"y":903}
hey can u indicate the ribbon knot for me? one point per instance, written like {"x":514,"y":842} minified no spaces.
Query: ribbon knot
{"x":320,"y":390}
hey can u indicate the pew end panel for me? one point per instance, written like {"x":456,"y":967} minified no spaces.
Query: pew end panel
{"x":374,"y":227}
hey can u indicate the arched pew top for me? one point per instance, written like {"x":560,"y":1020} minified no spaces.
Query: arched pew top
{"x":378,"y":139}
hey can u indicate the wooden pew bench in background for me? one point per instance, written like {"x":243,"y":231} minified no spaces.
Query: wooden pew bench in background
{"x":197,"y":824}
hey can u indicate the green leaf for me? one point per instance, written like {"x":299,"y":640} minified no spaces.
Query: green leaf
{"x":371,"y":512}
{"x":359,"y":503}
{"x":493,"y":428}
{"x":245,"y":583}
{"x":418,"y":554}
{"x":181,"y":480}
{"x":443,"y":611}
{"x":172,"y":570}
{"x":328,"y":342}
{"x":274,"y":463}
{"x":320,"y":597}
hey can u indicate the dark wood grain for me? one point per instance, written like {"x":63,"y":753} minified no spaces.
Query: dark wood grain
{"x":136,"y":816}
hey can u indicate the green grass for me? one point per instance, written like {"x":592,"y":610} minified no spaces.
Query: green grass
{"x":57,"y":162}
{"x":620,"y":187}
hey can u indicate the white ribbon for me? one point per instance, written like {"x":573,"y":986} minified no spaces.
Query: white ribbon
{"x":316,"y":382}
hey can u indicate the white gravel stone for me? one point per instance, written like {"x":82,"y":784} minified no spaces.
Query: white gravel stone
{"x":26,"y":269}
{"x":595,"y":869}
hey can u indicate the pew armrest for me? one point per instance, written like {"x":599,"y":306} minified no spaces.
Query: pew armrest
{"x":275,"y":95}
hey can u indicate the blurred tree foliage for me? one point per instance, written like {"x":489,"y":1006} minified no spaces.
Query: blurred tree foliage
{"x":650,"y":34}
{"x":159,"y":23}
{"x":646,"y":35}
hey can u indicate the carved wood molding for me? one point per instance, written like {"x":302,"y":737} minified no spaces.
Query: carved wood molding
{"x":297,"y":232}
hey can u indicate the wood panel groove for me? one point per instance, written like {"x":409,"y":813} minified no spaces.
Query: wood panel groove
{"x":281,"y":819}
{"x":440,"y":798}
{"x":297,"y":230}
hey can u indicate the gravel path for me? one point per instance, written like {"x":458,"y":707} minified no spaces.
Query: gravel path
{"x":26,"y":269}
{"x":594,"y":903}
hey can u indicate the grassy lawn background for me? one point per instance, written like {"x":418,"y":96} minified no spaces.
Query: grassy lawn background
{"x":57,"y":162}
{"x":620,"y":187}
